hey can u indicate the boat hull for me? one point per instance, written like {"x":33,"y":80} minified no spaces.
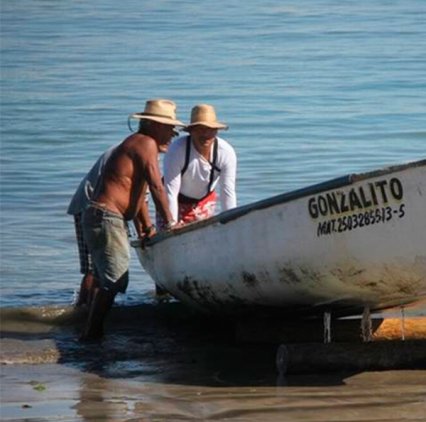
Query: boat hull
{"x":352,"y":242}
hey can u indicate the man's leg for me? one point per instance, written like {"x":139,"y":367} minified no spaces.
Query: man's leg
{"x":87,"y":289}
{"x":88,"y":282}
{"x":108,"y":244}
{"x":101,"y":304}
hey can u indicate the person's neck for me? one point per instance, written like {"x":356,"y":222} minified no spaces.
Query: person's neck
{"x":204,"y":150}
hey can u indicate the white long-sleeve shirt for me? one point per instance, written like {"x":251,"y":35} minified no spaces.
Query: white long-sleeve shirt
{"x":195,"y":181}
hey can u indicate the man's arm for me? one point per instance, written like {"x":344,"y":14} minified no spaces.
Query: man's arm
{"x":172,"y":179}
{"x":228,"y":196}
{"x":142,"y":222}
{"x":156,"y":187}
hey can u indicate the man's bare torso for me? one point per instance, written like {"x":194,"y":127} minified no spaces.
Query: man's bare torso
{"x":124,"y":183}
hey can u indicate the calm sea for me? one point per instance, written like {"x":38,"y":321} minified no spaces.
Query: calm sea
{"x":311,"y":90}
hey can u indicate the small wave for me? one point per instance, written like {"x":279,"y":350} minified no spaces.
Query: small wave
{"x":40,"y":335}
{"x":27,"y":319}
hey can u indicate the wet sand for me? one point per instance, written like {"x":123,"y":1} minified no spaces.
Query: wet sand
{"x":80,"y":395}
{"x":166,"y":363}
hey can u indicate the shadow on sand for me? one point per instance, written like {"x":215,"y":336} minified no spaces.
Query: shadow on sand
{"x":170,"y":343}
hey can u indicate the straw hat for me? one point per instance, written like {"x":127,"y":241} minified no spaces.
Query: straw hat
{"x":205,"y":115}
{"x":162,"y":111}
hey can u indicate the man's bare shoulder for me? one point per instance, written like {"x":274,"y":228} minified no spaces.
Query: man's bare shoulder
{"x":138,"y":139}
{"x":139,"y":144}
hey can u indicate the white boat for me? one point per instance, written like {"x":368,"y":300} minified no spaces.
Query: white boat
{"x":353,"y":242}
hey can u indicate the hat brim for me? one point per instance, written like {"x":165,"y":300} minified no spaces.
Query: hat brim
{"x":211,"y":125}
{"x":159,"y":119}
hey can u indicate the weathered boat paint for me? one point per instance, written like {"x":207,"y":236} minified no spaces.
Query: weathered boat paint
{"x":355,"y":241}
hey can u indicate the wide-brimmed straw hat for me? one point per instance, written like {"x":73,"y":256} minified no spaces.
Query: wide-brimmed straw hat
{"x":159,"y":110}
{"x":205,"y":115}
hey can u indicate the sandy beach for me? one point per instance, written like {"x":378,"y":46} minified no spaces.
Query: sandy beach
{"x":165,"y":363}
{"x":53,"y":392}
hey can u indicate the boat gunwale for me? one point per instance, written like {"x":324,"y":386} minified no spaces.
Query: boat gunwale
{"x":234,"y":213}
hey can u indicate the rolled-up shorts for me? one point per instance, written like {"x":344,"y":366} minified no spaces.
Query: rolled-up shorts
{"x":86,"y":266}
{"x":106,"y":235}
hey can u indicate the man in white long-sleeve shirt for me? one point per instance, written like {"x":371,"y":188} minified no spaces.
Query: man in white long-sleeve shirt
{"x":196,"y":164}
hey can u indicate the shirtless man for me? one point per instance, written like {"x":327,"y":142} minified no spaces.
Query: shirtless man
{"x":130,"y":170}
{"x":78,"y":204}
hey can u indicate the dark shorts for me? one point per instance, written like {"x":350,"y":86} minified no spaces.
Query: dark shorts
{"x":106,"y":235}
{"x":86,"y":265}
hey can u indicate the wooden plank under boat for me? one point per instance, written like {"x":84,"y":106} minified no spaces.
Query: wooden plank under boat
{"x":349,"y":243}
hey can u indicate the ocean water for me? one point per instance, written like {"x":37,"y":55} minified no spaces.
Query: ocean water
{"x":311,"y":90}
